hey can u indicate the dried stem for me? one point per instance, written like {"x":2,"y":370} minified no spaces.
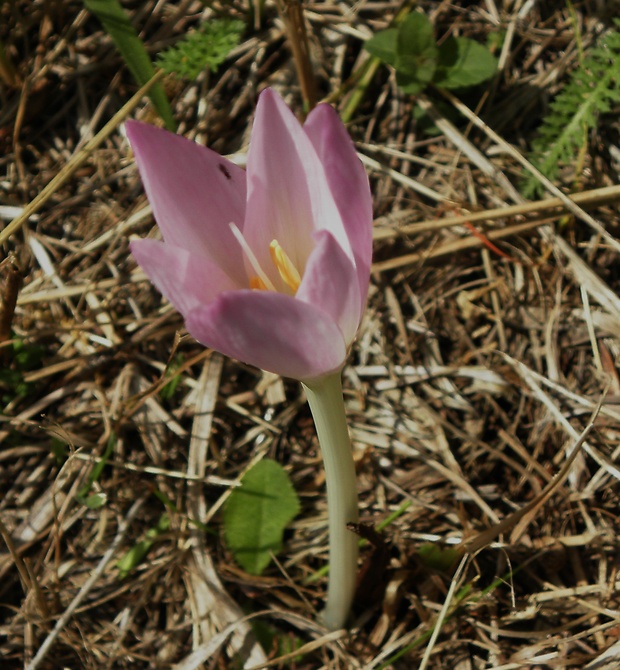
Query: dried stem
{"x":292,"y":13}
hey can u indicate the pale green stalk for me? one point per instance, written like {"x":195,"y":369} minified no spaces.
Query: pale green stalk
{"x":327,"y":406}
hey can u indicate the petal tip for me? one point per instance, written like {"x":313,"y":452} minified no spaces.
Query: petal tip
{"x":144,"y":136}
{"x":267,"y":94}
{"x":135,"y":130}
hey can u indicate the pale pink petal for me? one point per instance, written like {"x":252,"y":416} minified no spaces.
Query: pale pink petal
{"x":272,"y":331}
{"x":194,"y":192}
{"x":349,"y":184}
{"x":289,"y":198}
{"x":187,"y":280}
{"x":330,"y":283}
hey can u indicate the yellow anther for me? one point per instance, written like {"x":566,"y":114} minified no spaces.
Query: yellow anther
{"x":261,"y":280}
{"x":288,"y":272}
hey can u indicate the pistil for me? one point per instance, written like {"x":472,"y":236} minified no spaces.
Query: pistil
{"x":261,"y":280}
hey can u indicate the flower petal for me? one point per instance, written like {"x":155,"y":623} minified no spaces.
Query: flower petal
{"x":194,"y":193}
{"x":330,"y":283}
{"x":289,"y":198}
{"x":349,"y":184}
{"x":187,"y":280}
{"x":272,"y":331}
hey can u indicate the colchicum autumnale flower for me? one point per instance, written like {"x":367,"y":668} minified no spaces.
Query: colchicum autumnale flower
{"x":271,"y":266}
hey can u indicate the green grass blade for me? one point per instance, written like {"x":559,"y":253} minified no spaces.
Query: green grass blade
{"x":117,"y":24}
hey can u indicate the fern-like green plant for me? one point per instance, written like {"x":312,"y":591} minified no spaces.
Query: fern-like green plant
{"x":207,"y":47}
{"x":593,"y":88}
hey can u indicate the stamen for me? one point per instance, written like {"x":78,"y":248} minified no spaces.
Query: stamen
{"x":255,"y":282}
{"x":289,"y":273}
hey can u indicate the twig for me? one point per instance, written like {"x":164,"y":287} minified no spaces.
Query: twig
{"x":593,"y":198}
{"x":520,"y":158}
{"x":292,"y":13}
{"x":443,"y":614}
{"x":9,"y":297}
{"x":88,"y":585}
{"x":77,"y":160}
{"x":457,"y":245}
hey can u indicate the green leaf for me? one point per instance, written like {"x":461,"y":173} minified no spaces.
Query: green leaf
{"x":496,"y":39}
{"x":410,"y":49}
{"x":592,"y":89}
{"x":416,"y":49}
{"x":383,"y":45}
{"x":138,"y":553}
{"x":117,"y":24}
{"x":27,"y":356}
{"x":95,"y":500}
{"x":208,"y":47}
{"x":437,"y":557}
{"x":410,"y":84}
{"x":463,"y":62}
{"x":168,"y":391}
{"x":60,"y":450}
{"x":257,"y":513}
{"x":276,"y":642}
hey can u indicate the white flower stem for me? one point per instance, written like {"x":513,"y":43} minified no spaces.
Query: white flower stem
{"x":327,"y":406}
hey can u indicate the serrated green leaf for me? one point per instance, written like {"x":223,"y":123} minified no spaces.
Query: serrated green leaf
{"x":463,"y":62}
{"x":593,"y":89}
{"x":383,"y":45}
{"x":208,"y":47}
{"x":257,"y":513}
{"x":416,"y":49}
{"x":117,"y":24}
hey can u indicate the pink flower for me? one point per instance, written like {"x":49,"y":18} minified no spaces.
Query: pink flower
{"x":269,"y":266}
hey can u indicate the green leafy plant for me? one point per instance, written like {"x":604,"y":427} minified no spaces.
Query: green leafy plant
{"x":593,"y":89}
{"x":411,"y":49}
{"x":117,"y":24}
{"x":139,"y":551}
{"x":257,"y":513}
{"x":172,"y":373}
{"x":275,"y":642}
{"x":20,"y":358}
{"x":97,"y":499}
{"x":207,"y":47}
{"x":59,"y":449}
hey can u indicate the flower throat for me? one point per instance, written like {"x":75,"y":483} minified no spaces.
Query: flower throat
{"x":286,"y":269}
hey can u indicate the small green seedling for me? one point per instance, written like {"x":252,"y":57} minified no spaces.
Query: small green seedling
{"x":205,"y":48}
{"x":138,"y":553}
{"x":411,"y":49}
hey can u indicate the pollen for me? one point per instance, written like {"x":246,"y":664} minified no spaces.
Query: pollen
{"x":257,"y":284}
{"x":287,"y":271}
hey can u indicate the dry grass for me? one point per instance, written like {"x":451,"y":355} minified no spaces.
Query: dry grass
{"x":490,"y":340}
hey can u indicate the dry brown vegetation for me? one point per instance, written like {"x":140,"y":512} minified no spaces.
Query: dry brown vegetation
{"x":489,"y":344}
